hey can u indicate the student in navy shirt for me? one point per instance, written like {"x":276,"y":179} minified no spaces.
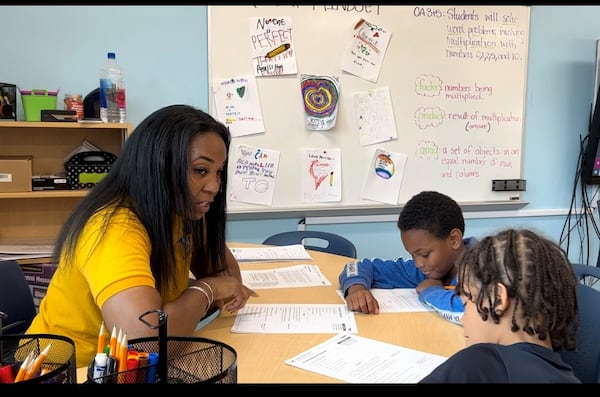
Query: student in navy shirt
{"x":520,"y":297}
{"x":431,"y":228}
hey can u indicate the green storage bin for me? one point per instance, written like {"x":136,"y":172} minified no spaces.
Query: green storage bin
{"x":35,"y":101}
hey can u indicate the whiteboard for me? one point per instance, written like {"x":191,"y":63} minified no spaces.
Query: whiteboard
{"x":457,"y":79}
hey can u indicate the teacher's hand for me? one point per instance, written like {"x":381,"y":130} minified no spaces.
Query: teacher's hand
{"x":228,"y":292}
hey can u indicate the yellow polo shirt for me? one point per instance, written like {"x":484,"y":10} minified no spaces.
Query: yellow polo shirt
{"x":120,"y":260}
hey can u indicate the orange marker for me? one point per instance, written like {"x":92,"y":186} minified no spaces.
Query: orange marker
{"x":101,"y":338}
{"x":37,"y":363}
{"x":133,"y":362}
{"x":143,"y":361}
{"x":449,"y":287}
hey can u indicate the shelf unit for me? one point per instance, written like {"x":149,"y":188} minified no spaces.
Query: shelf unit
{"x":39,"y":215}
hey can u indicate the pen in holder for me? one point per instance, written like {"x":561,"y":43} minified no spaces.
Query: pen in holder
{"x":171,"y":359}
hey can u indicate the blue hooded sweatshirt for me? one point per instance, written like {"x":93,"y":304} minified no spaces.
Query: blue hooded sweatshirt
{"x":400,"y":273}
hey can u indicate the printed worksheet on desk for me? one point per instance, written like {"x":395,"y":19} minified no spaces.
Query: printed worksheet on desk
{"x":285,"y":277}
{"x":356,"y":359}
{"x":271,"y":254}
{"x":294,"y":319}
{"x":396,"y":300}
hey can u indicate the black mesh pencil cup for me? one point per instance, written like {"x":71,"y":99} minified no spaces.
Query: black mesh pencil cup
{"x":174,"y":359}
{"x":59,"y":366}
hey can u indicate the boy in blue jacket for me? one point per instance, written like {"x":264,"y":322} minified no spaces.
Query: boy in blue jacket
{"x":431,"y":229}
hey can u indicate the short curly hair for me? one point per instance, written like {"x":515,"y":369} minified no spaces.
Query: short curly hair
{"x":434,"y":212}
{"x":538,"y":277}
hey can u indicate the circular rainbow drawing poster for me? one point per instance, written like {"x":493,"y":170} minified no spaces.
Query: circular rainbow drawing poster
{"x":320,"y":95}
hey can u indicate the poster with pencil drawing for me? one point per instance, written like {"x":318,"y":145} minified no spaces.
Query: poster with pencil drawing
{"x":272,"y":46}
{"x":238,"y":105}
{"x":384,"y":177}
{"x":374,"y":116}
{"x":321,"y":175}
{"x":366,"y":50}
{"x":254,"y":174}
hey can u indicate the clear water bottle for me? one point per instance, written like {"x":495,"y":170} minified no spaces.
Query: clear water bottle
{"x":112,"y":92}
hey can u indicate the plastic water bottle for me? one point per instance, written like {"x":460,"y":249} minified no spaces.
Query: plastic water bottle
{"x":112,"y":92}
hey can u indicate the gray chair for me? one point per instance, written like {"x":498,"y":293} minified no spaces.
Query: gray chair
{"x":17,"y":307}
{"x":314,"y":240}
{"x":586,"y":359}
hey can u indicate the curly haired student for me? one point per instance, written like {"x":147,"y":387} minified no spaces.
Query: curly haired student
{"x":520,"y":296}
{"x":431,"y":228}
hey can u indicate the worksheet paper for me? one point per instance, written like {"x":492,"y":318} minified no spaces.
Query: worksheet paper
{"x":396,"y":300}
{"x":271,"y":254}
{"x":285,"y":277}
{"x":356,"y":359}
{"x":294,"y":319}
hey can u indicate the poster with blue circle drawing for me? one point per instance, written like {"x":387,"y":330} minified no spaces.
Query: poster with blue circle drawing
{"x":384,"y":177}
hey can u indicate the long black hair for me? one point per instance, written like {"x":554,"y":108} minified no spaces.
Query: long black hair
{"x":149,"y":177}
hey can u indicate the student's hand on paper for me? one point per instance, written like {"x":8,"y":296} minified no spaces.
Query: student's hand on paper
{"x":360,"y":299}
{"x":229,"y":292}
{"x":428,"y":282}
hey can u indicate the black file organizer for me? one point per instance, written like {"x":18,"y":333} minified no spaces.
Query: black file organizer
{"x":60,"y":360}
{"x":180,"y":359}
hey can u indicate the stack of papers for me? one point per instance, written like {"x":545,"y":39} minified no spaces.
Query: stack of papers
{"x":271,"y":254}
{"x":25,"y":250}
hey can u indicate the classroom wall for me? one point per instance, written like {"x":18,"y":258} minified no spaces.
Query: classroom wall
{"x":163,"y":50}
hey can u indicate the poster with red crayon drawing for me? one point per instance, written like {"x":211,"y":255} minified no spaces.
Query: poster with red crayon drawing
{"x":321,"y":175}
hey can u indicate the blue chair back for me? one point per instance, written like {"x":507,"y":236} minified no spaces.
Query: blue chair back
{"x":315,"y":240}
{"x":586,"y":359}
{"x":17,"y":307}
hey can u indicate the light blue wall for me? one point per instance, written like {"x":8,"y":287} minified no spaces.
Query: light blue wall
{"x":163,"y":50}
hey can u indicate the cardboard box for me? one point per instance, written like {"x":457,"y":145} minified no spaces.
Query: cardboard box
{"x":8,"y":101}
{"x":15,"y":173}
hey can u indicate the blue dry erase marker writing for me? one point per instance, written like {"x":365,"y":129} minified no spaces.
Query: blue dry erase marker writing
{"x":152,"y":368}
{"x":100,"y":367}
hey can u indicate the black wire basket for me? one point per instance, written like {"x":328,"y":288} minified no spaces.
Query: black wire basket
{"x":179,"y":360}
{"x":59,"y":366}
